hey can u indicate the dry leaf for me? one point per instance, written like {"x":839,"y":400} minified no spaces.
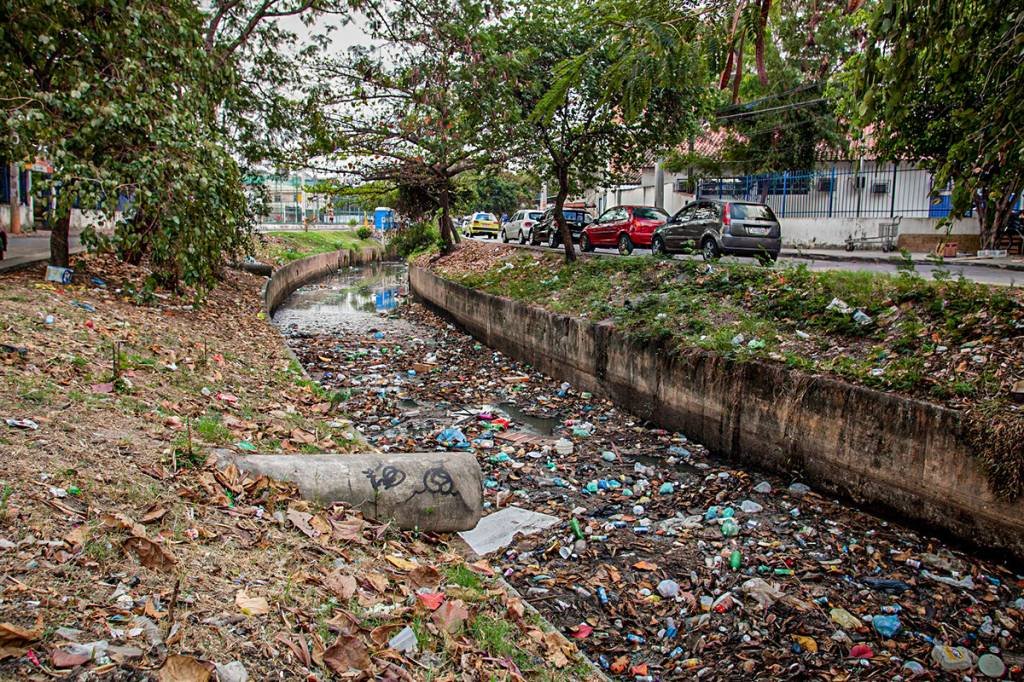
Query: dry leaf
{"x":341,"y":585}
{"x":645,"y":566}
{"x":150,"y":554}
{"x":431,"y":600}
{"x":300,"y":651}
{"x":347,"y":653}
{"x":14,"y":640}
{"x":184,"y":669}
{"x":154,"y":513}
{"x":400,"y":563}
{"x":424,"y":576}
{"x":377,"y":581}
{"x":350,"y":530}
{"x":450,"y":616}
{"x":301,"y":520}
{"x":251,"y":606}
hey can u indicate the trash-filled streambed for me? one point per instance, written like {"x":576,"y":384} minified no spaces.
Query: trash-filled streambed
{"x":659,"y":560}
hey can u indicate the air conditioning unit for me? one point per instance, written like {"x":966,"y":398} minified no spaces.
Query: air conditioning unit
{"x":880,"y":188}
{"x":857,"y":182}
{"x":824,"y":184}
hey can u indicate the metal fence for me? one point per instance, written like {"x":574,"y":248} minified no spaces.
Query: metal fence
{"x":879,"y":191}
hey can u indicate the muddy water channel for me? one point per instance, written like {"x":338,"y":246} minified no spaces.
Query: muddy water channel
{"x":665,"y":563}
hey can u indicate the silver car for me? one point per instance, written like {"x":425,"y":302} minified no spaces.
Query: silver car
{"x":520,"y":225}
{"x":721,"y":227}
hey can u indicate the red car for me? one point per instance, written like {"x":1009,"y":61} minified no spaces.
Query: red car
{"x":624,"y":227}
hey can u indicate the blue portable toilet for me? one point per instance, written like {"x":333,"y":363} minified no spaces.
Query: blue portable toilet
{"x":383,"y":218}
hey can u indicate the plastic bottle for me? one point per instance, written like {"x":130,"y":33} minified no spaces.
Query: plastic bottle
{"x":729,"y":528}
{"x":735,"y":560}
{"x":576,"y":530}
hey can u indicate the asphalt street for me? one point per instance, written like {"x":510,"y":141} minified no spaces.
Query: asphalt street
{"x":974,"y":273}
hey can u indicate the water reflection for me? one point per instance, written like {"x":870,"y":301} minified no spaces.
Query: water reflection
{"x":354,"y":292}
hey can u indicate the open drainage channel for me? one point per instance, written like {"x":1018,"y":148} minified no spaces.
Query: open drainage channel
{"x":658,"y":559}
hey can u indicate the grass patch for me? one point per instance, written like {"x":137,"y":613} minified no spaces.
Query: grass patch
{"x":284,"y":247}
{"x":460,"y":575}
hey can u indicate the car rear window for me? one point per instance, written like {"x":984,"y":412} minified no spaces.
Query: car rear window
{"x":484,"y":216}
{"x":535,"y":215}
{"x":751,"y":212}
{"x":575,"y":216}
{"x":649,"y":213}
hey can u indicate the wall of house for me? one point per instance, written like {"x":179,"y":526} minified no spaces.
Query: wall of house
{"x":27,"y":219}
{"x":915,"y":234}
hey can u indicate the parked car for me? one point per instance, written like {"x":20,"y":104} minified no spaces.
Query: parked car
{"x":717,"y":227}
{"x":624,"y":227}
{"x":546,"y":232}
{"x":519,"y":225}
{"x":481,"y":223}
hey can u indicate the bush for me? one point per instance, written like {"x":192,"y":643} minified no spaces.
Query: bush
{"x":364,"y":232}
{"x":415,"y":237}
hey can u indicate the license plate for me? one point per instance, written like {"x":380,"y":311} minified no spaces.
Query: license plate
{"x":759,"y":231}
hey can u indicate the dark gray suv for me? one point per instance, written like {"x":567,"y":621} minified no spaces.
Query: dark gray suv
{"x":741,"y":228}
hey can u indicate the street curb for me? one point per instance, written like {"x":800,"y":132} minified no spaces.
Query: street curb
{"x":896,"y":260}
{"x":12,"y":264}
{"x":891,"y":260}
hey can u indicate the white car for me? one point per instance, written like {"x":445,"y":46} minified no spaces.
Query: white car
{"x":519,"y":226}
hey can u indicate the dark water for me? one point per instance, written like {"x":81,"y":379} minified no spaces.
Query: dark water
{"x":355,"y":294}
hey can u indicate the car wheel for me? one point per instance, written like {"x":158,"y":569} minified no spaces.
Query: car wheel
{"x":522,"y":236}
{"x":504,"y":237}
{"x":585,"y":244}
{"x":625,"y":245}
{"x":658,"y":247}
{"x":709,"y":249}
{"x":553,"y":240}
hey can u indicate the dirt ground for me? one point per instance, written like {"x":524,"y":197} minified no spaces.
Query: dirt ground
{"x":125,"y":555}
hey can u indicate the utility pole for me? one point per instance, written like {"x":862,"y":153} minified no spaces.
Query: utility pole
{"x":659,"y":184}
{"x":543,"y":195}
{"x":14,"y":178}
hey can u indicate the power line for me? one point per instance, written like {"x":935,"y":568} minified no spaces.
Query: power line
{"x":783,"y":107}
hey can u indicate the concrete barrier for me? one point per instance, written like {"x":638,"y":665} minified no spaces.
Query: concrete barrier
{"x":880,"y":449}
{"x":438,"y":492}
{"x":290,"y":277}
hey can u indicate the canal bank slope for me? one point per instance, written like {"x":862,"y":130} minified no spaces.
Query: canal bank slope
{"x":906,"y":456}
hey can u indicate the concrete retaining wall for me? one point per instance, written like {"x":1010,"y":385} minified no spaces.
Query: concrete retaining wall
{"x":877,"y":448}
{"x":290,"y":277}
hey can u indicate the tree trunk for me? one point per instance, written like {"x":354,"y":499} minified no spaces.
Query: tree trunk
{"x":14,"y":183}
{"x":445,"y":223}
{"x":59,"y":240}
{"x":134,"y":252}
{"x":992,"y":218}
{"x":563,"y":227}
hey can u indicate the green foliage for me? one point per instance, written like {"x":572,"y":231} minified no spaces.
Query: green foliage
{"x":121,"y":97}
{"x":364,"y":232}
{"x":406,"y":107}
{"x":594,"y":89}
{"x":414,"y":238}
{"x":943,"y":82}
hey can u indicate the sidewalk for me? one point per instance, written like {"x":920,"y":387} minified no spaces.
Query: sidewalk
{"x":24,"y":250}
{"x":1009,"y":263}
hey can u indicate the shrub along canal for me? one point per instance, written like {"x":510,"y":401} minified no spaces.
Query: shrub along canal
{"x":662,"y":561}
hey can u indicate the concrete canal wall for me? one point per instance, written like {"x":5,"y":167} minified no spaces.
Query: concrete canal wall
{"x":290,"y":277}
{"x":876,"y":448}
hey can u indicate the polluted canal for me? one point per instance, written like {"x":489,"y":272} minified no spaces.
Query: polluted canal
{"x":658,"y":560}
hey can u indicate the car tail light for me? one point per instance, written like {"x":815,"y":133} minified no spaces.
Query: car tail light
{"x":726,"y":220}
{"x":528,"y":223}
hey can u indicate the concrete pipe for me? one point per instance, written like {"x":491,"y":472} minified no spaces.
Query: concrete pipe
{"x":430,"y":491}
